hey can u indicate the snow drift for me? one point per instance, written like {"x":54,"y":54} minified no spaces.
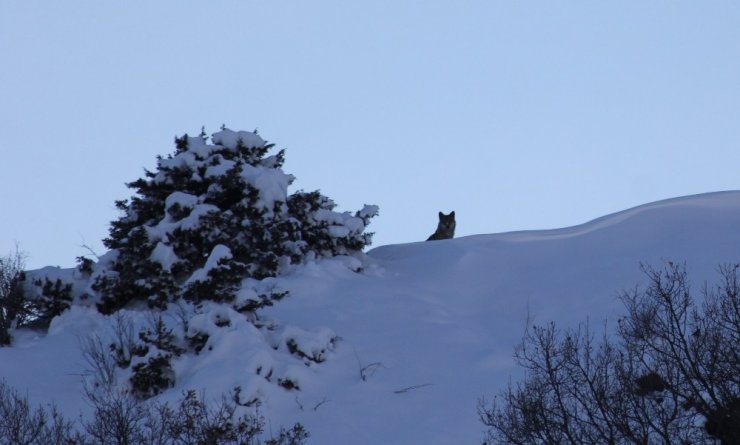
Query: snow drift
{"x":409,"y":336}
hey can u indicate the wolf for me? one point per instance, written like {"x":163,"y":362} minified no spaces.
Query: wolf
{"x":445,"y":228}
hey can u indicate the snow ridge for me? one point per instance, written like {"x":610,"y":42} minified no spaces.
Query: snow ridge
{"x":397,"y":346}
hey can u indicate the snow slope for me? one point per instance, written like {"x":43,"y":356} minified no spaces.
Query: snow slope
{"x":431,"y":326}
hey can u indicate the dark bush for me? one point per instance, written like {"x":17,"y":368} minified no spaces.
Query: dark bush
{"x":13,"y":307}
{"x":53,"y":298}
{"x":672,"y":375}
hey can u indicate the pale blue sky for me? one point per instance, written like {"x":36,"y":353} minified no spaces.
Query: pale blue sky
{"x":516,"y":114}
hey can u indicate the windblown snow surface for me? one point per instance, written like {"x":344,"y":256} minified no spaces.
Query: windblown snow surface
{"x":427,"y":328}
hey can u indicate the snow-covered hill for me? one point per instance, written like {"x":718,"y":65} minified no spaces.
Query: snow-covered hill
{"x":426,"y":328}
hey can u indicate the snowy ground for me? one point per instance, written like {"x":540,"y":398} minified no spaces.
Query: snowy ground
{"x":431,"y":326}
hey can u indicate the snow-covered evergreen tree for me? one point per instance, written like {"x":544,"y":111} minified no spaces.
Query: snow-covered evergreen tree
{"x":209,"y":230}
{"x":212,"y":215}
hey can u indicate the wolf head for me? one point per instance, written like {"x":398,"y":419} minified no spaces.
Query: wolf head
{"x":447,"y":223}
{"x":445,"y":228}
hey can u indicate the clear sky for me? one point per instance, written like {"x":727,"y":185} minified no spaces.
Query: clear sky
{"x":515,"y":114}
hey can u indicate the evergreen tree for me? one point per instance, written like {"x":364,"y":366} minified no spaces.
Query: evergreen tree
{"x":213,"y":214}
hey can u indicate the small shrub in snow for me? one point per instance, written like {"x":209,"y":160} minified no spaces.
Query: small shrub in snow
{"x":212,"y":215}
{"x":310,"y":347}
{"x":101,"y":361}
{"x":124,"y":345}
{"x":159,"y":336}
{"x":158,"y":346}
{"x":148,"y":356}
{"x":53,"y":298}
{"x":13,"y":308}
{"x":197,"y":340}
{"x":288,"y":383}
{"x":152,"y":377}
{"x":85,"y":265}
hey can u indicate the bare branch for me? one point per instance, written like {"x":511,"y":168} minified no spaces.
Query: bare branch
{"x":411,"y":388}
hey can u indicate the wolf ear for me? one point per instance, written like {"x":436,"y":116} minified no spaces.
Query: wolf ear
{"x":452,"y":214}
{"x":441,"y":214}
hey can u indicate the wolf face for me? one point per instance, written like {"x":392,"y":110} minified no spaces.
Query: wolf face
{"x":445,"y":228}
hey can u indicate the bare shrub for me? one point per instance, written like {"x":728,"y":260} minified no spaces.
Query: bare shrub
{"x":671,"y":375}
{"x":100,"y":361}
{"x":20,"y":424}
{"x":120,"y":419}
